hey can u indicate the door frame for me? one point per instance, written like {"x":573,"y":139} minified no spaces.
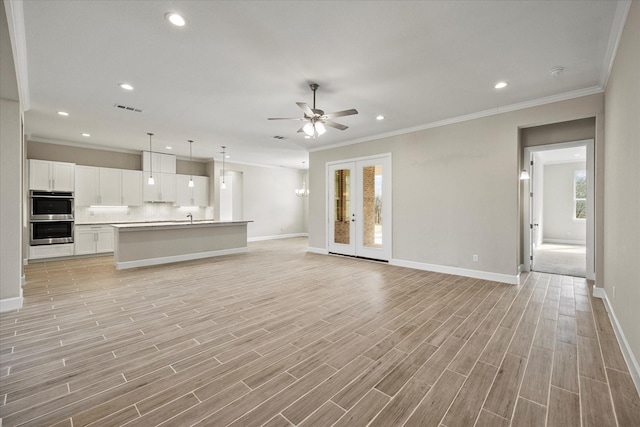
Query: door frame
{"x":589,"y":144}
{"x":388,"y":185}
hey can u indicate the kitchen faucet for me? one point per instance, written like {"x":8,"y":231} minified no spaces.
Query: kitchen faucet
{"x":190,"y":216}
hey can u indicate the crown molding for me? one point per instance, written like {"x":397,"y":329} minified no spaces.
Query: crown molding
{"x":619,"y":19}
{"x":459,"y":119}
{"x":15,"y":21}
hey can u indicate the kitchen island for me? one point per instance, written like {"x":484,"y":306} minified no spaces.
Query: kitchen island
{"x":152,"y":243}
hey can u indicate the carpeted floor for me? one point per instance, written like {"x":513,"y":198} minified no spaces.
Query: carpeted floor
{"x":568,"y":260}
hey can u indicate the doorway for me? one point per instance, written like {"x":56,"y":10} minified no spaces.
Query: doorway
{"x":559,"y":210}
{"x":359,"y":207}
{"x":231,"y":196}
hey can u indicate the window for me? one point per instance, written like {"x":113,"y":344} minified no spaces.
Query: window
{"x":580,"y":194}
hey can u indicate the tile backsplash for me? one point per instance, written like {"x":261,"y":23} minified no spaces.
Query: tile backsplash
{"x":146,"y":212}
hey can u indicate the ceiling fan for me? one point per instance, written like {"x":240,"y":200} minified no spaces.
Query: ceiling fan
{"x":316,"y":118}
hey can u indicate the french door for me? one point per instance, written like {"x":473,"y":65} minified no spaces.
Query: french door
{"x":360,"y":208}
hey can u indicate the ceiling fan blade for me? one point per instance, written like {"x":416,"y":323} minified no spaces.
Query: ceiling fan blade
{"x":341,"y":113}
{"x":304,"y":107}
{"x":285,"y":118}
{"x":334,"y":124}
{"x":301,"y":129}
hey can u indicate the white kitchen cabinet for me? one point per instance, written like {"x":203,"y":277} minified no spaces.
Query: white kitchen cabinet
{"x":45,"y":175}
{"x":86,"y":186}
{"x":131,"y":187}
{"x":110,"y":187}
{"x":161,"y":162}
{"x":107,"y":187}
{"x":51,"y":251}
{"x":93,"y":239}
{"x":198,"y":195}
{"x":163,"y":190}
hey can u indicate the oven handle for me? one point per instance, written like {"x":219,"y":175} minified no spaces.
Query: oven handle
{"x":48,"y":195}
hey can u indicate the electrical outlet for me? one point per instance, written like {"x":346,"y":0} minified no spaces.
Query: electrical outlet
{"x":475,"y":257}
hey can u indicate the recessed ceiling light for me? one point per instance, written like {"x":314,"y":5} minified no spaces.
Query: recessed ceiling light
{"x":576,"y":155}
{"x":175,"y":18}
{"x":168,"y":147}
{"x":86,"y":135}
{"x":500,"y":85}
{"x":227,"y":157}
{"x":126,"y":86}
{"x":63,"y":113}
{"x":380,"y":117}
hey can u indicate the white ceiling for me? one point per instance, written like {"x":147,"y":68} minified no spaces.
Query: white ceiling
{"x":236,"y":63}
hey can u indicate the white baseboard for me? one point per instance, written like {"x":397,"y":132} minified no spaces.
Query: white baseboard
{"x":11,"y":304}
{"x":565,"y":242}
{"x":177,"y":258}
{"x":629,"y":357}
{"x":320,"y":251}
{"x":476,"y":274}
{"x":277,"y":236}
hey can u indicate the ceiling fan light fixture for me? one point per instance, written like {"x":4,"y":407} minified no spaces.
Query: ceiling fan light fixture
{"x":320,"y":129}
{"x":308,"y":129}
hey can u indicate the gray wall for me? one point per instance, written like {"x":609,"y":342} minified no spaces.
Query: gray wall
{"x":455,"y":188}
{"x":11,"y":204}
{"x":574,"y":130}
{"x":622,"y":184}
{"x":558,"y":207}
{"x":102,"y":158}
{"x":11,"y":176}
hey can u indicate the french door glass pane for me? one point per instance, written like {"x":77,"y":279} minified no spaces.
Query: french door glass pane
{"x":342,"y":206}
{"x":372,"y":206}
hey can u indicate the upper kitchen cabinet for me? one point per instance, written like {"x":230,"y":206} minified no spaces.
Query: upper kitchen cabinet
{"x":131,"y":187}
{"x":158,"y":162}
{"x":198,"y":195}
{"x":162,"y":190}
{"x":51,"y":176}
{"x":107,"y":187}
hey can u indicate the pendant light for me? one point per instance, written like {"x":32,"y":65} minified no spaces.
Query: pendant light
{"x":222,"y":184}
{"x":524,"y":175}
{"x":151,"y":181}
{"x":190,"y":161}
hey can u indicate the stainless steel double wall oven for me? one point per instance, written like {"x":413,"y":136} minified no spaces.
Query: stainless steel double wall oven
{"x":51,"y":217}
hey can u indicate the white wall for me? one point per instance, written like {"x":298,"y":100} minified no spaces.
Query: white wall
{"x":455,"y":188}
{"x":622,"y":188}
{"x":558,"y":208}
{"x":269,"y":200}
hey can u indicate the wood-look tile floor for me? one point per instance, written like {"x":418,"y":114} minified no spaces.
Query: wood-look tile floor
{"x":281,"y":337}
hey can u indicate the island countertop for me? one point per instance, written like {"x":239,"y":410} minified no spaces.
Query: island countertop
{"x":152,"y":243}
{"x":124,"y":226}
